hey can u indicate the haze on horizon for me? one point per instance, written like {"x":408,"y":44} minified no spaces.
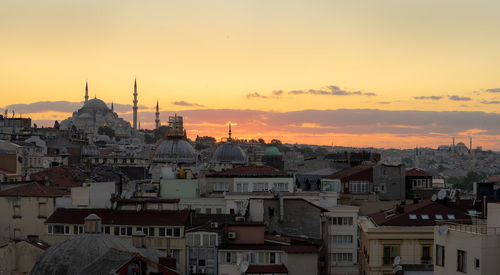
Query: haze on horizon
{"x":277,"y":69}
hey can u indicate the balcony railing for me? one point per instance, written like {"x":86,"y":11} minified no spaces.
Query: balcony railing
{"x":466,"y":226}
{"x":426,"y":260}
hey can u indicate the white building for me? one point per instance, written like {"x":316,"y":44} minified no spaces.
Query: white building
{"x":342,"y":239}
{"x":468,"y":248}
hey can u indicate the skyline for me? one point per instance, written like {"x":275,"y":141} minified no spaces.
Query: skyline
{"x":272,"y":59}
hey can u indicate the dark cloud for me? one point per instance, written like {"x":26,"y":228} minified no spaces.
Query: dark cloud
{"x":255,"y":95}
{"x":187,"y":104}
{"x":278,"y":92}
{"x":490,"y":102}
{"x":384,"y":102}
{"x":331,"y":90}
{"x":494,"y":90}
{"x":459,"y":98}
{"x":428,"y":97}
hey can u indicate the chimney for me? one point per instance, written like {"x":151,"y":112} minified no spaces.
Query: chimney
{"x":139,"y":239}
{"x":92,"y":224}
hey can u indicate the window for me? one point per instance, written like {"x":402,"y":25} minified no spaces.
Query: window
{"x":242,"y":187}
{"x":123,"y":231}
{"x":60,"y":229}
{"x":208,"y":210}
{"x":451,"y":216}
{"x":341,"y":221}
{"x":359,"y":187}
{"x":340,"y":257}
{"x":42,"y":210}
{"x":269,"y":258}
{"x":390,"y":252}
{"x":116,"y":230}
{"x":221,"y":187}
{"x":439,"y":217}
{"x":213,"y":240}
{"x":341,"y":239}
{"x":17,"y":211}
{"x":281,"y":186}
{"x":177,"y":232}
{"x":169,"y":232}
{"x":230,"y":257}
{"x":49,"y":229}
{"x":461,"y":261}
{"x":129,"y":231}
{"x":426,"y":254}
{"x":413,"y":217}
{"x":439,"y":255}
{"x":476,"y":263}
{"x":218,"y":210}
{"x":259,"y":187}
{"x":161,"y":231}
{"x":425,"y":216}
{"x":107,"y":230}
{"x":270,"y":211}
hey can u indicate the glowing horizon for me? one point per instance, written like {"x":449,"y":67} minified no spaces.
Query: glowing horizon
{"x":274,"y":57}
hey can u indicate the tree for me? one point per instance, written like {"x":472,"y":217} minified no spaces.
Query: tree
{"x":276,"y":142}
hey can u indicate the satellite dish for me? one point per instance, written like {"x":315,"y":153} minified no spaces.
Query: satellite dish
{"x":244,"y":266}
{"x":397,"y":260}
{"x":443,"y":229}
{"x":434,"y":197}
{"x":441,"y":194}
{"x":397,"y":268}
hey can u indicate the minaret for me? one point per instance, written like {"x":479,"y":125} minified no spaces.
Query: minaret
{"x":86,"y":92}
{"x":135,"y":105}
{"x":157,"y":120}
{"x":229,"y":137}
{"x":139,"y":125}
{"x":470,"y":144}
{"x":112,"y":107}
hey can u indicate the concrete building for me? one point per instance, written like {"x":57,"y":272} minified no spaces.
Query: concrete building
{"x":389,"y":181}
{"x":24,"y":209}
{"x":468,"y":248}
{"x":10,"y":161}
{"x":419,"y":184}
{"x":164,"y":229}
{"x":341,"y":238}
{"x":19,"y":256}
{"x":406,"y":231}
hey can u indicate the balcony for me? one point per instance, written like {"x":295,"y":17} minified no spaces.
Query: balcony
{"x":466,"y":226}
{"x":387,"y":260}
{"x":426,"y":260}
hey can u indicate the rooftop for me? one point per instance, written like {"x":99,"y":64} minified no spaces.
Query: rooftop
{"x":121,"y":217}
{"x":61,"y":176}
{"x":251,"y":171}
{"x":33,"y":190}
{"x":360,"y":172}
{"x":417,"y":172}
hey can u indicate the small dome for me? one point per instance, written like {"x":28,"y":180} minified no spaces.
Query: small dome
{"x":74,"y":253}
{"x":272,"y":151}
{"x":95,"y":104}
{"x":175,"y":151}
{"x":103,"y":138}
{"x":92,"y":217}
{"x":229,"y":153}
{"x":85,"y":116}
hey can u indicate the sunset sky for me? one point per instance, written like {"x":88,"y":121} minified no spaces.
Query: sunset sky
{"x":381,"y":73}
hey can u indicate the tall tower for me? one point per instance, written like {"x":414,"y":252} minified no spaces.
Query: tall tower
{"x":229,"y":138}
{"x":470,"y":144}
{"x":135,"y":105}
{"x":112,"y":107}
{"x":86,"y":92}
{"x":157,"y":120}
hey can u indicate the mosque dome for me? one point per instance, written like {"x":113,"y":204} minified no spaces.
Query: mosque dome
{"x":95,"y":104}
{"x":85,"y":116}
{"x":103,"y":138}
{"x":229,"y":153}
{"x":272,"y":151}
{"x":74,"y":253}
{"x":175,"y":151}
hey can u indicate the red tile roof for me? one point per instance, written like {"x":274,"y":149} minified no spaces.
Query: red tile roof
{"x":121,"y":217}
{"x":61,"y":176}
{"x":360,"y":172}
{"x":417,"y":172}
{"x":33,"y":190}
{"x":275,"y":268}
{"x":393,"y":218}
{"x":7,"y":172}
{"x":251,"y":171}
{"x":493,"y":179}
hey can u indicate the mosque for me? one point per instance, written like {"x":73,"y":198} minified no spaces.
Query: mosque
{"x":95,"y":114}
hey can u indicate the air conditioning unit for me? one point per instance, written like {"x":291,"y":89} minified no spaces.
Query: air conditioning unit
{"x":214,"y":225}
{"x":231,"y":235}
